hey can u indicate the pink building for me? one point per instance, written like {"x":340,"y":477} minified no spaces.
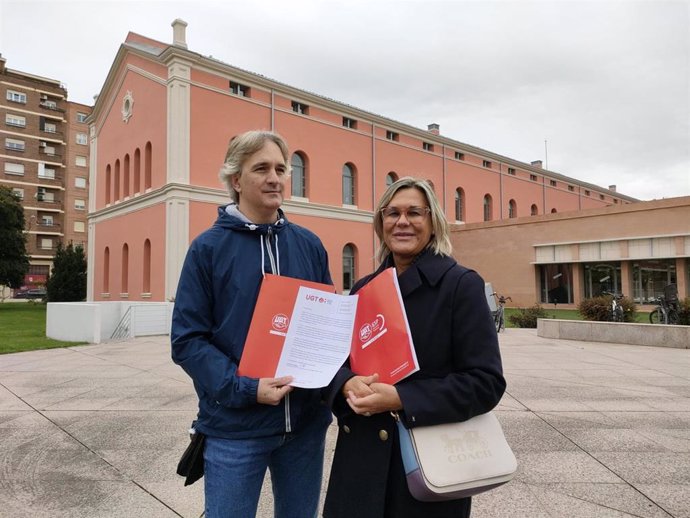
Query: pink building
{"x":159,"y":132}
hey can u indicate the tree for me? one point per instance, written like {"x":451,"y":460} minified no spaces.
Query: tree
{"x":67,"y":281}
{"x":14,"y":263}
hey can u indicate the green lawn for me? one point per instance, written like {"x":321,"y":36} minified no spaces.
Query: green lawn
{"x":23,"y":328}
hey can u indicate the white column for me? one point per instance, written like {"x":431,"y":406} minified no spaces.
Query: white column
{"x":176,"y":242}
{"x":91,"y":228}
{"x":179,"y":76}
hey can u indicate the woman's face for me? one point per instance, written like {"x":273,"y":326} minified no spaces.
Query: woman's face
{"x":407,"y":228}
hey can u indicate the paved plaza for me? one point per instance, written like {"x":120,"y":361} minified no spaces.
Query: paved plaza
{"x":599,"y":430}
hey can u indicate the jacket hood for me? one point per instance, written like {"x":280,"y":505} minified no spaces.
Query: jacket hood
{"x":230,"y":217}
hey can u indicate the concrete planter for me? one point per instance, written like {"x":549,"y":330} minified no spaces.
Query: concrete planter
{"x":656,"y":335}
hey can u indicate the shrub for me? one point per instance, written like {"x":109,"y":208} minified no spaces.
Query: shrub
{"x":598,"y":309}
{"x":527,"y":317}
{"x":684,"y":311}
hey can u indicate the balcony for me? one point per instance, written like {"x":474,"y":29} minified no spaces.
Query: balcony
{"x":48,"y":226}
{"x":52,"y":202}
{"x":54,"y":177}
{"x":51,"y":105}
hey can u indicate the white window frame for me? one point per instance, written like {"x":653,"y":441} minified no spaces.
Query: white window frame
{"x":79,"y":182}
{"x":80,"y":161}
{"x":50,"y":127}
{"x":19,"y":192}
{"x":79,"y":226}
{"x":79,"y":204}
{"x":14,"y":168}
{"x":16,"y":97}
{"x":15,"y":144}
{"x":15,"y":120}
{"x":81,"y":117}
{"x":82,"y":139}
{"x":47,"y":220}
{"x":46,"y":243}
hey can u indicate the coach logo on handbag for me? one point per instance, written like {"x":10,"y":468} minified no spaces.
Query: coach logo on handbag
{"x":455,"y":460}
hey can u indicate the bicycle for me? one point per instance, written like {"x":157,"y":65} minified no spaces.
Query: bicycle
{"x":667,"y":312}
{"x":616,"y":314}
{"x":499,"y":316}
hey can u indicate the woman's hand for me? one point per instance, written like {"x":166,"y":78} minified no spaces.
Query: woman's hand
{"x":383,"y":398}
{"x":271,"y":390}
{"x":359,"y":385}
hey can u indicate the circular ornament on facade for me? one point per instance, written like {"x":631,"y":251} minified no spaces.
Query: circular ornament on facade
{"x":127,"y":105}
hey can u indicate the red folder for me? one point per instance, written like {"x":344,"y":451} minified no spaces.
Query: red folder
{"x":381,"y":339}
{"x":382,"y":342}
{"x":270,"y":323}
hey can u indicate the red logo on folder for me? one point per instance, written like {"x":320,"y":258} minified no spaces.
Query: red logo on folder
{"x":280,"y":323}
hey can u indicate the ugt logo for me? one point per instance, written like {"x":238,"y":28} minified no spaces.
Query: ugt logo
{"x":280,"y":322}
{"x":371,"y":329}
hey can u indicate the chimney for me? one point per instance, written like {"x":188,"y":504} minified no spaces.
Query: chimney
{"x":536,"y":163}
{"x":612,"y":188}
{"x":179,"y":29}
{"x":434,"y":128}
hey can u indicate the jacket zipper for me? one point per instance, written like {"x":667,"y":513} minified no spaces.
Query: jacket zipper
{"x":274,"y":270}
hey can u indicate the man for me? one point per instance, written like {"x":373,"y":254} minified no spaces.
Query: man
{"x":250,"y":424}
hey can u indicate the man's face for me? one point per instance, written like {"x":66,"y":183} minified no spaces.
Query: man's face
{"x":261,"y":183}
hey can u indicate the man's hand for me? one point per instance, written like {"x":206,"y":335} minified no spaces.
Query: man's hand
{"x":272,"y":390}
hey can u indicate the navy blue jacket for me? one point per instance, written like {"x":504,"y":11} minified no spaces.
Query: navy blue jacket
{"x":460,"y":376}
{"x":216,"y":295}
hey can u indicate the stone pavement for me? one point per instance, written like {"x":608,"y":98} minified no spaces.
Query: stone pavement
{"x":599,"y":430}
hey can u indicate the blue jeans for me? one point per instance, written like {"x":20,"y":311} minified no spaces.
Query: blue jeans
{"x":234,"y":471}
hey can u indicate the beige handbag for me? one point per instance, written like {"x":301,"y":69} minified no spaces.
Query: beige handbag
{"x":456,"y":460}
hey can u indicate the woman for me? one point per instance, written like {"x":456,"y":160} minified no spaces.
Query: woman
{"x":250,"y":424}
{"x":460,"y":372}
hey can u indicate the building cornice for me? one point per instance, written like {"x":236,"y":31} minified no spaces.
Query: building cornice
{"x":219,"y":197}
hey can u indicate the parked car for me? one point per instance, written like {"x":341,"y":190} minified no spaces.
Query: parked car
{"x":33,"y":293}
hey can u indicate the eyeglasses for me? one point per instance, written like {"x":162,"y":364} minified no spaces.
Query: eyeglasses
{"x":413,"y":214}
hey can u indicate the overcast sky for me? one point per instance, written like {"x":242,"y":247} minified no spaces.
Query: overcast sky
{"x":605,"y":83}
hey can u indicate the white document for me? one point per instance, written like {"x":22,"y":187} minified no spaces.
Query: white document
{"x":318,"y":338}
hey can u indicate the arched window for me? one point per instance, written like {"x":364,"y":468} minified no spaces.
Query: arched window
{"x":124,"y":287}
{"x":146,"y":285}
{"x":348,"y":184}
{"x":147,"y":166}
{"x":125,"y":177}
{"x":136,"y":187}
{"x":108,"y":180}
{"x":553,"y":211}
{"x":116,"y":181}
{"x":534,"y":210}
{"x":299,"y":175}
{"x":512,"y":209}
{"x":106,"y":270}
{"x":391,"y":178}
{"x":459,"y":204}
{"x":488,"y":207}
{"x":348,"y":267}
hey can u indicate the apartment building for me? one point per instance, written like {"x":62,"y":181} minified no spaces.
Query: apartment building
{"x":44,"y":160}
{"x":159,"y":132}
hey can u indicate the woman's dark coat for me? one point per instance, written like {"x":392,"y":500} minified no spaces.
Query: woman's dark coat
{"x":460,"y":377}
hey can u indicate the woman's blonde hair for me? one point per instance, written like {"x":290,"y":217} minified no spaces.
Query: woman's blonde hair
{"x":242,"y":147}
{"x":440,"y":238}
